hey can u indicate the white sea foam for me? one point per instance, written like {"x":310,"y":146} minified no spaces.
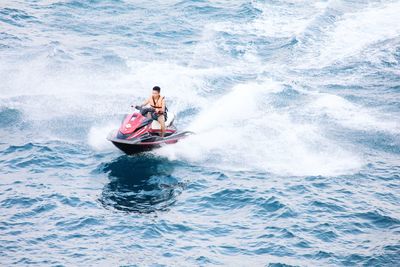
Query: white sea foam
{"x":96,"y":137}
{"x":276,"y":20}
{"x":351,"y":115}
{"x":242,"y":131}
{"x":353,"y":33}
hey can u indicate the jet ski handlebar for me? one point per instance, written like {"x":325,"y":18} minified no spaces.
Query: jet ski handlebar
{"x":137,"y":107}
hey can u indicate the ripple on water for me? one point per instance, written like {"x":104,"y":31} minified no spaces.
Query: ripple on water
{"x":16,"y":17}
{"x":19,"y":201}
{"x":378,"y":220}
{"x":40,"y":157}
{"x":76,"y":224}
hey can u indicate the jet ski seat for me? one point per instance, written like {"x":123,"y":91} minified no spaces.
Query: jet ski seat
{"x":170,"y":119}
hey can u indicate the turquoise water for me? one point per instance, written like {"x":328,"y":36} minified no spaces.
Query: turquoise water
{"x":296,"y":157}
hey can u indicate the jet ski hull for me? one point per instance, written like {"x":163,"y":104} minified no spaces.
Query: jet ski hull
{"x":134,"y":149}
{"x":135,"y":146}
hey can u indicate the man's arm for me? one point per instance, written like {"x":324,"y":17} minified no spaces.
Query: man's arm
{"x":163,"y":105}
{"x":145,"y":102}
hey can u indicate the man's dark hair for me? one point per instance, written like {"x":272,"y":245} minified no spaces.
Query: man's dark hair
{"x":156,"y":88}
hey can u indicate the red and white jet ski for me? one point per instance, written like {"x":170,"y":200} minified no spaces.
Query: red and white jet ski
{"x":138,"y":133}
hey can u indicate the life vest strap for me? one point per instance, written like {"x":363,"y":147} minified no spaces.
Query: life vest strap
{"x":155,"y":103}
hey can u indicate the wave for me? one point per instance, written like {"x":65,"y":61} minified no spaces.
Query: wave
{"x":243,"y":129}
{"x":343,"y":31}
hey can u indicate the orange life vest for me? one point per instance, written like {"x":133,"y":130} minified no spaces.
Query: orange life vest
{"x":156,"y":103}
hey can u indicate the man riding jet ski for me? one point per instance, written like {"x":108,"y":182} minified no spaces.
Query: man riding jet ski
{"x":158,"y":110}
{"x":147,"y":129}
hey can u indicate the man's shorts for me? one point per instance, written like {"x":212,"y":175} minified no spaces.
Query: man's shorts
{"x":155,"y":116}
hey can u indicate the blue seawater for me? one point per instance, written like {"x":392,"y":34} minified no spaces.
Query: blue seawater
{"x":296,"y":157}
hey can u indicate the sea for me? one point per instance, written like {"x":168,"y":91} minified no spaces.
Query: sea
{"x":295,"y":160}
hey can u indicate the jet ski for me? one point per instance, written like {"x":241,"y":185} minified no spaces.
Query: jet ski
{"x":138,"y":133}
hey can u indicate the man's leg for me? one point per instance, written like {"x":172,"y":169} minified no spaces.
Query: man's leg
{"x":161,"y":120}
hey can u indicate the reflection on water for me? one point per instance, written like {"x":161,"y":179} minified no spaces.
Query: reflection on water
{"x":140,"y":184}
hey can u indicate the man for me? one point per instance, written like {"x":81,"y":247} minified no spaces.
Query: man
{"x":157,"y":110}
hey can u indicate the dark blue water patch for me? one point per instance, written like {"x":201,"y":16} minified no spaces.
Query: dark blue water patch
{"x":74,"y":5}
{"x":276,"y":232}
{"x":186,"y":116}
{"x":270,"y":205}
{"x":36,"y":212}
{"x":387,"y":257}
{"x":236,"y":45}
{"x":81,"y":10}
{"x":203,"y":261}
{"x":387,"y":197}
{"x":21,"y":202}
{"x":9,"y":36}
{"x":378,"y":220}
{"x":386,"y":54}
{"x":377,"y":140}
{"x":274,"y":249}
{"x":217,"y":175}
{"x":227,"y":199}
{"x":332,"y":71}
{"x":90,"y":51}
{"x":325,"y":206}
{"x":79,"y":223}
{"x":167,"y":227}
{"x":377,"y":77}
{"x":40,"y":157}
{"x":9,"y":117}
{"x":280,"y":265}
{"x":198,"y":8}
{"x":247,"y":11}
{"x":25,"y":147}
{"x":4,"y":46}
{"x":142,"y":184}
{"x":113,"y":62}
{"x":353,"y":260}
{"x":276,"y":47}
{"x":16,"y":17}
{"x":303,"y":244}
{"x":360,"y":93}
{"x":10,"y":41}
{"x":176,"y":34}
{"x":299,"y":189}
{"x":29,"y":261}
{"x":321,"y":24}
{"x":326,"y":236}
{"x":72,"y":201}
{"x":322,"y":255}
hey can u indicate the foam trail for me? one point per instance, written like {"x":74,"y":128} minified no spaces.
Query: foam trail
{"x":352,"y":33}
{"x":242,"y":130}
{"x":97,"y":137}
{"x":351,"y":115}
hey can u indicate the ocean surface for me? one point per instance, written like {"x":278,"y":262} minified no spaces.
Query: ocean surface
{"x":296,"y":157}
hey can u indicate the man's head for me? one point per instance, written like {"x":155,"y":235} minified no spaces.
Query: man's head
{"x":156,"y":90}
